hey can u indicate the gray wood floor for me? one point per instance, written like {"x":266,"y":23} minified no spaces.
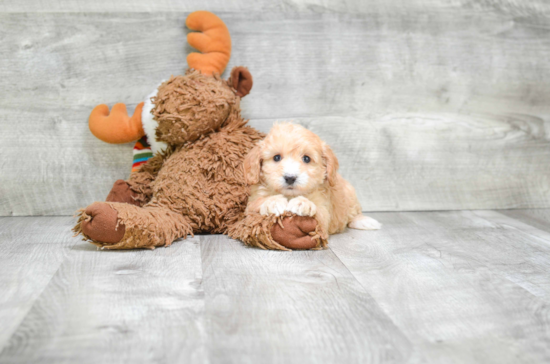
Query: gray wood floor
{"x":430,"y":287}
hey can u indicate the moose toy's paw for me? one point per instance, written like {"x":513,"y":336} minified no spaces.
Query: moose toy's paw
{"x":100,"y":223}
{"x":301,"y":206}
{"x":295,"y":233}
{"x":121,"y":192}
{"x":274,"y":205}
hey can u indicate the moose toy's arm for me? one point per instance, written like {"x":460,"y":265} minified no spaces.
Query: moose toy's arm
{"x":285,"y":232}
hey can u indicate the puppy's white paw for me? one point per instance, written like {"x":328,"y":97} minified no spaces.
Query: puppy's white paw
{"x":361,"y":222}
{"x":301,"y":206}
{"x":274,"y":205}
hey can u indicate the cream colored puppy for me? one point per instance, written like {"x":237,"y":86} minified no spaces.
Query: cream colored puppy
{"x":292,"y":169}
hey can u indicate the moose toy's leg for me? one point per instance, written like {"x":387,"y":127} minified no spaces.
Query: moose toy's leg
{"x":284,"y":232}
{"x":137,"y":190}
{"x":125,"y":226}
{"x":121,"y":192}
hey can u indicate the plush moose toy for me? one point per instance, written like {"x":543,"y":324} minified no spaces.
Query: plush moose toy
{"x":194,"y":182}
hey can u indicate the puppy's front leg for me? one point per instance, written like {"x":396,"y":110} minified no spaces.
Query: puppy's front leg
{"x":301,"y":206}
{"x":323,"y":218}
{"x":274,"y":205}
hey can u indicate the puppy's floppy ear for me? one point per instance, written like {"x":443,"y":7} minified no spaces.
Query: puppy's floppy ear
{"x":253,"y":165}
{"x":241,"y":81}
{"x":331,"y":164}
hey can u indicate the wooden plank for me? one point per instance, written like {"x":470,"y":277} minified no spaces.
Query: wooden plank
{"x":58,"y":166}
{"x":125,"y":6}
{"x":303,"y":64}
{"x":31,"y":251}
{"x":447,"y":287}
{"x":532,"y":223}
{"x":121,"y":306}
{"x":399,"y":163}
{"x":298,"y":307}
{"x":441,"y":105}
{"x":516,"y":7}
{"x":515,"y":250}
{"x":405,"y":163}
{"x":538,"y":218}
{"x":442,"y":278}
{"x":500,"y":244}
{"x":530,"y":266}
{"x":217,"y":6}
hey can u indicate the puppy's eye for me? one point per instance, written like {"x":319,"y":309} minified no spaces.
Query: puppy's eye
{"x":277,"y":158}
{"x":306,"y":159}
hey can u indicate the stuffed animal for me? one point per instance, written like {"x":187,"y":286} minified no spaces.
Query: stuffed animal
{"x":192,"y":180}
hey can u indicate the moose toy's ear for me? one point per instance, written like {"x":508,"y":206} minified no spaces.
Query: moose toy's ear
{"x":241,"y":81}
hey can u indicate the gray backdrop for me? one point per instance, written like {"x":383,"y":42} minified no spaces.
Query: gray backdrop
{"x":429,"y":105}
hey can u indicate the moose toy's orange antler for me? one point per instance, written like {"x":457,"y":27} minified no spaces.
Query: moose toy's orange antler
{"x":116,"y":127}
{"x":214,"y":42}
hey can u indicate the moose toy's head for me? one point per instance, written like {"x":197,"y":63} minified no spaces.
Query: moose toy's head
{"x":184,"y":108}
{"x":196,"y":104}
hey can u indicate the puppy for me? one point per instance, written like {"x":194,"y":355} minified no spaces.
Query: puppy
{"x":293,"y":170}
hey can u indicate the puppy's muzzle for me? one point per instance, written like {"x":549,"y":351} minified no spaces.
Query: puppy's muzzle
{"x":290,"y":179}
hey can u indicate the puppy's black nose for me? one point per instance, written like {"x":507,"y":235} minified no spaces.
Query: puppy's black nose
{"x":290,"y":179}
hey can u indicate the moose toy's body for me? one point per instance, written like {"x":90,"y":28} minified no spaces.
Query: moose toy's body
{"x":195,"y":184}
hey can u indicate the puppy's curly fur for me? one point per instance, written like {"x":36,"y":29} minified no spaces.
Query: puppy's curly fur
{"x":293,"y":170}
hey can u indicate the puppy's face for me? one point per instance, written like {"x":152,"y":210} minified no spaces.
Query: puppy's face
{"x":291,"y":160}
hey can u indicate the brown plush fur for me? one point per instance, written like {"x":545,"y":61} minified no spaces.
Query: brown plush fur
{"x":204,"y":180}
{"x":121,"y":192}
{"x":188,"y":107}
{"x":145,"y":227}
{"x":197,"y":185}
{"x":140,"y":181}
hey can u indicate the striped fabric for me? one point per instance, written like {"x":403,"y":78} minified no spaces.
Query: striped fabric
{"x":142,"y":153}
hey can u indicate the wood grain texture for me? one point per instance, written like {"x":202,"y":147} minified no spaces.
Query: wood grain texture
{"x":449,"y":98}
{"x":31,"y":251}
{"x":455,"y":61}
{"x":406,"y":162}
{"x":437,"y":287}
{"x":530,"y":221}
{"x":122,"y":306}
{"x":217,"y":6}
{"x":516,"y":7}
{"x":533,"y":254}
{"x":447,"y":281}
{"x":538,"y":218}
{"x":303,"y":307}
{"x":498,"y":246}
